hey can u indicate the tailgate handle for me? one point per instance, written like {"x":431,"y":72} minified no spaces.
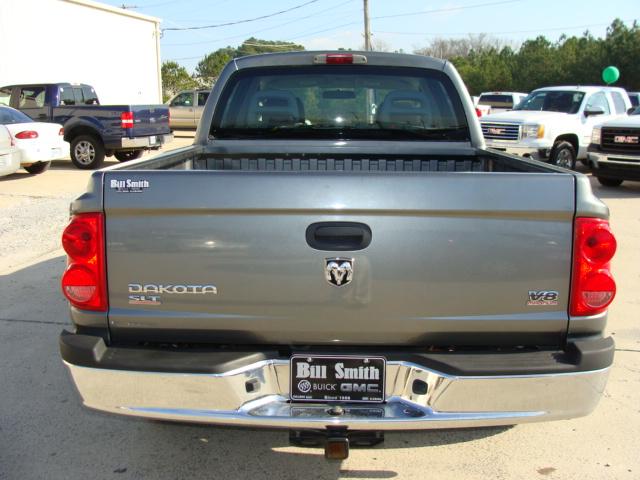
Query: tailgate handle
{"x":338,"y":236}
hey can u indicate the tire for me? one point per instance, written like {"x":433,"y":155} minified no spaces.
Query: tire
{"x":125,"y":156}
{"x":610,"y":182}
{"x":87,"y":152}
{"x":38,"y":167}
{"x":563,"y":155}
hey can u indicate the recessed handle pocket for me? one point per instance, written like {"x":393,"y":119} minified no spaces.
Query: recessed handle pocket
{"x":338,"y":236}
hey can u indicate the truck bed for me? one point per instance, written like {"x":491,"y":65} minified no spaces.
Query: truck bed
{"x":201,"y":158}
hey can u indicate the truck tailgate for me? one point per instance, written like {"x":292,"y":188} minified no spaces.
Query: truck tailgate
{"x":452,"y":259}
{"x":149,"y":120}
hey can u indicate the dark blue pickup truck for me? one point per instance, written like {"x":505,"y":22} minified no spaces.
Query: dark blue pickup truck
{"x":93,"y":130}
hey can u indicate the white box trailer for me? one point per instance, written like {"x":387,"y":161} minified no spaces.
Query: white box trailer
{"x":117,"y":51}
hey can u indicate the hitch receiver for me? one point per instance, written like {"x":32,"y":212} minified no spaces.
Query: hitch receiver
{"x":336,"y":441}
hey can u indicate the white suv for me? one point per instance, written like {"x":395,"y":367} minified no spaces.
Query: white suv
{"x":554,"y":124}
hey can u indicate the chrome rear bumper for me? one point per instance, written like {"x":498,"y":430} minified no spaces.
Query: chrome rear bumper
{"x":450,"y":402}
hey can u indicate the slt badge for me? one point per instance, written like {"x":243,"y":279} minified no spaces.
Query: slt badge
{"x":338,"y":271}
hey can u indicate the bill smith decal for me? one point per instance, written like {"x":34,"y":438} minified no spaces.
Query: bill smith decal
{"x":128,"y":185}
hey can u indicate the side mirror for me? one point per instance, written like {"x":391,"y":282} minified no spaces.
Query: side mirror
{"x":594,"y":111}
{"x":631,"y":110}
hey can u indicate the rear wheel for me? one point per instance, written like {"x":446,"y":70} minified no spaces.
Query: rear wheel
{"x":563,"y":155}
{"x":38,"y":167}
{"x":610,"y":182}
{"x":128,"y":155}
{"x":87,"y":152}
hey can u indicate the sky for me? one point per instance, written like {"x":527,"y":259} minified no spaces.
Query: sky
{"x":398,"y":24}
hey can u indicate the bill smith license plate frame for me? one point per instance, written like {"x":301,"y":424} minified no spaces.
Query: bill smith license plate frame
{"x":337,"y":378}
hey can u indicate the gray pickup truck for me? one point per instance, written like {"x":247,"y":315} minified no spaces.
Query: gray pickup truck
{"x":338,"y":255}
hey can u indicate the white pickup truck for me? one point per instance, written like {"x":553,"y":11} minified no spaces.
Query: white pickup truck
{"x":554,"y":124}
{"x":614,"y":152}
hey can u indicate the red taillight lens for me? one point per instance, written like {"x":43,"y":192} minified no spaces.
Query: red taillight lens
{"x":80,"y":284}
{"x":126,"y":119}
{"x":79,"y":238}
{"x":339,"y":58}
{"x":27,"y":134}
{"x":478,"y":112}
{"x":598,"y":243}
{"x":84,"y":281}
{"x":593,"y":286}
{"x":61,"y":132}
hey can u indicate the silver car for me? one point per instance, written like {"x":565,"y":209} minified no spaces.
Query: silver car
{"x":186,"y":108}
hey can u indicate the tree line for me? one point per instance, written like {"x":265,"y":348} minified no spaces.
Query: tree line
{"x":576,"y":60}
{"x":485,"y":63}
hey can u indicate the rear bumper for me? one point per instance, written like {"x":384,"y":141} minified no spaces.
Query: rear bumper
{"x":9,"y":163}
{"x":251,"y":389}
{"x":46,"y":153}
{"x":152,"y":141}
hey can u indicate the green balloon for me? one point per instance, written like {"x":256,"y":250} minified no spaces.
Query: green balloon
{"x":610,"y":75}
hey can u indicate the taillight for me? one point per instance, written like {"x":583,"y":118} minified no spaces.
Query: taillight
{"x":27,"y":134}
{"x":593,"y":287}
{"x":84,"y":280}
{"x":126,"y":119}
{"x":61,"y":132}
{"x":339,"y":58}
{"x":478,"y":112}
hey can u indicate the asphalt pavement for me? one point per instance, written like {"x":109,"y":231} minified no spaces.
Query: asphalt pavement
{"x":45,"y":433}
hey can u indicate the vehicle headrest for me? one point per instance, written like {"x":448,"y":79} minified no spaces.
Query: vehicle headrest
{"x":405,"y":107}
{"x":274,"y":107}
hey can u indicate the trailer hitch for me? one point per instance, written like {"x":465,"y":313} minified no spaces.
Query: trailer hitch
{"x":336,"y":441}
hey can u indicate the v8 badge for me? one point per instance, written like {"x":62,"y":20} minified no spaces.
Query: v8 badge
{"x":542,"y":297}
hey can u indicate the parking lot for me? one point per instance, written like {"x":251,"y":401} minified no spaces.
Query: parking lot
{"x":44,"y":432}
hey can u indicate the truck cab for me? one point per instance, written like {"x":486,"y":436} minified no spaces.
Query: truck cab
{"x":186,"y":108}
{"x":554,"y":124}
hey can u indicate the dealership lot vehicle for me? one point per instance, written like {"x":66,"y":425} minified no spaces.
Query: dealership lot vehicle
{"x":186,"y":108}
{"x":501,"y":101}
{"x":9,"y":157}
{"x":614,"y":152}
{"x":38,"y":143}
{"x":554,"y":124}
{"x":93,"y":130}
{"x":40,"y":412}
{"x":288,"y":185}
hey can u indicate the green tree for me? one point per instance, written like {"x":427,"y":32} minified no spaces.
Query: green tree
{"x":622,"y":49}
{"x":209,"y":68}
{"x":486,"y":65}
{"x":174,"y":79}
{"x":254,"y":46}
